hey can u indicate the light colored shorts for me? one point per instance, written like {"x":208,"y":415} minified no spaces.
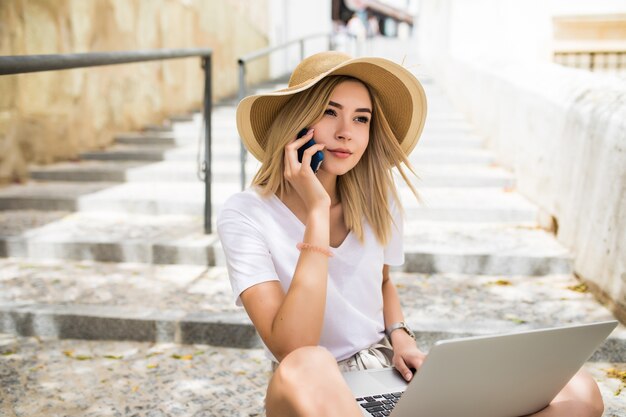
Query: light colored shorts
{"x":377,"y":356}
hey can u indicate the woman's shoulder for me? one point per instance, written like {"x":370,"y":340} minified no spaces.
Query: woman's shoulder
{"x":249,"y":203}
{"x":243,"y":198}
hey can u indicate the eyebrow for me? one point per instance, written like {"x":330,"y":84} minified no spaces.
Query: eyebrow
{"x":339,"y":106}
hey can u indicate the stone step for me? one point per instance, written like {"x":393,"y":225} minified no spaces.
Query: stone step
{"x":123,"y":152}
{"x":164,"y":127}
{"x":157,"y":198}
{"x":154,"y":138}
{"x":464,"y":175}
{"x":485,"y":204}
{"x":47,"y":195}
{"x":448,"y":139}
{"x":85,"y":171}
{"x":190,"y":304}
{"x":107,"y":237}
{"x":486,"y":249}
{"x":225,"y":171}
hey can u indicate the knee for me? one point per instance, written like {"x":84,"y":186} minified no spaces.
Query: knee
{"x":590,"y":393}
{"x":305,"y":363}
{"x":301,"y":381}
{"x":583,"y":390}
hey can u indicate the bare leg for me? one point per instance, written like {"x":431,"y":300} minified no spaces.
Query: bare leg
{"x":580,"y":397}
{"x":308,"y":383}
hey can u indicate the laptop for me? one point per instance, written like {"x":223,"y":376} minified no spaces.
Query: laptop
{"x":488,"y":376}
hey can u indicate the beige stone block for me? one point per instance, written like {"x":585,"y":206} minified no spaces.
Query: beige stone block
{"x":124,"y":14}
{"x":40,"y":27}
{"x":58,"y":114}
{"x":8,"y":87}
{"x":147,"y":27}
{"x":82,"y":16}
{"x":12,"y":163}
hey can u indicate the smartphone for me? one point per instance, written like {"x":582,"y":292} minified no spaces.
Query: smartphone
{"x":317,"y":158}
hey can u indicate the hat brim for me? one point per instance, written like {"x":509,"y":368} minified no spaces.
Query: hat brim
{"x":401,"y":95}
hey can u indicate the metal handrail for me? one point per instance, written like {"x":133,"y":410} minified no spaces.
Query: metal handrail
{"x":243,"y":60}
{"x":21,"y":64}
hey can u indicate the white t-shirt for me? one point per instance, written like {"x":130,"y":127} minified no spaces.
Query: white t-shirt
{"x":259,"y":236}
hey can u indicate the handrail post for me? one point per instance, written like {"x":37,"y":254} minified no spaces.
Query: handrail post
{"x":55,"y":62}
{"x":242,"y":94}
{"x":208,"y":201}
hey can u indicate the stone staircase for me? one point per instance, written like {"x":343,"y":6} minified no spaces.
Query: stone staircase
{"x":141,"y":202}
{"x":112,"y":247}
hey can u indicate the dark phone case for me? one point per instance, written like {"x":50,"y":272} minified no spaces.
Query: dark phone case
{"x":318,"y":156}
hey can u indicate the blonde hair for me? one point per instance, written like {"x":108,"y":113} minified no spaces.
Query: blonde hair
{"x":364,"y":190}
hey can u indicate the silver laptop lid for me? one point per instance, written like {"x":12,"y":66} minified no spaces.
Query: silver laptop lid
{"x":497,"y":376}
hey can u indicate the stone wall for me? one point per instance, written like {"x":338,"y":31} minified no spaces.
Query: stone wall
{"x":561,"y":131}
{"x":55,"y":115}
{"x":563,"y":134}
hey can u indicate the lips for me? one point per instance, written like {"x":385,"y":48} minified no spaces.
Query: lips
{"x":340,"y":152}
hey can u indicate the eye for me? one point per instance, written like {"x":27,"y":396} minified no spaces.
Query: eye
{"x":330,"y":112}
{"x":362,"y":119}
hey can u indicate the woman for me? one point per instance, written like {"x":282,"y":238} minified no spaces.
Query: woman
{"x":309,"y":253}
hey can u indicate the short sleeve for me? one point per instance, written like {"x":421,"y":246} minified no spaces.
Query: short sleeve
{"x":394,"y":250}
{"x":248,"y":258}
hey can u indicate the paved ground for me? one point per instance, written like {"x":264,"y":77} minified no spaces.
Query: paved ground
{"x":51,"y":378}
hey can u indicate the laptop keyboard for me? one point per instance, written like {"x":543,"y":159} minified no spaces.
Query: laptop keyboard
{"x":380,"y":405}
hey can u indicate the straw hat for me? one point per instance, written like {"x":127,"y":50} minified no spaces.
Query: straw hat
{"x":402,"y":97}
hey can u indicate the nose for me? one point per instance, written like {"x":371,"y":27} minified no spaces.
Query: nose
{"x":344,"y":129}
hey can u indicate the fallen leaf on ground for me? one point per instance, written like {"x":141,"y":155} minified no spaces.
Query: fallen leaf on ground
{"x":582,"y":288}
{"x":501,"y":282}
{"x":183,"y":357}
{"x":70,"y":354}
{"x":617,"y":374}
{"x":82,"y":357}
{"x":517,"y":320}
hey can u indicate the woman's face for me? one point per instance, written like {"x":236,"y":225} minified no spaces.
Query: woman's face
{"x":345,"y":127}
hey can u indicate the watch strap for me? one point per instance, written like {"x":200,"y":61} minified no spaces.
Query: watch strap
{"x":399,"y":325}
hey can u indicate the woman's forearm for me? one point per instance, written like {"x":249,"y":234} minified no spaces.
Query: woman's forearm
{"x":300,"y":318}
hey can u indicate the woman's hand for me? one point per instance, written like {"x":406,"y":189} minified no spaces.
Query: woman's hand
{"x":406,"y":355}
{"x":301,"y":176}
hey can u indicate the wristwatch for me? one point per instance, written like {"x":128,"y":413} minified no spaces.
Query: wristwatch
{"x":399,"y":325}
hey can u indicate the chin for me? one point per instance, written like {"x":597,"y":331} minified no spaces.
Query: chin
{"x":334,"y":170}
